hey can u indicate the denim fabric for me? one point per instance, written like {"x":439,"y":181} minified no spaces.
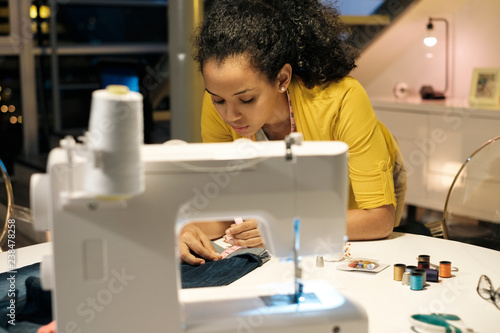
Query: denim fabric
{"x":38,"y":307}
{"x":24,"y":327}
{"x":223,"y":272}
{"x":258,"y":251}
{"x":218,"y":273}
{"x":21,"y":274}
{"x":33,"y":305}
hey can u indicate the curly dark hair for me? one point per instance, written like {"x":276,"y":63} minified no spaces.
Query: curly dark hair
{"x":306,"y":34}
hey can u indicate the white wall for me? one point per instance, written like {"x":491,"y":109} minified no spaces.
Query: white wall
{"x":399,"y":55}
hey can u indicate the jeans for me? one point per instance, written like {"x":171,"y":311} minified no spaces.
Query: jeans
{"x":223,"y":272}
{"x":23,"y":302}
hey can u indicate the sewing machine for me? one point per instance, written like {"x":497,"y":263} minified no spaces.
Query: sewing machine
{"x":115,"y":263}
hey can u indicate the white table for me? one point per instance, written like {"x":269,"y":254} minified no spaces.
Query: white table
{"x":25,"y":256}
{"x":388,"y":303}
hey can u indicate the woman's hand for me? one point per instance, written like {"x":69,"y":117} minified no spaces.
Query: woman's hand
{"x":245,"y":234}
{"x":193,"y":239}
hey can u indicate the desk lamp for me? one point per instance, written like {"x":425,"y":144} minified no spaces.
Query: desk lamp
{"x":427,"y":91}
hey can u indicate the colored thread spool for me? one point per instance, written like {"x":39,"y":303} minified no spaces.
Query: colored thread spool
{"x":399,"y":269}
{"x":416,"y":281}
{"x":432,"y":275}
{"x":320,"y":261}
{"x":424,"y":257}
{"x":406,"y":279}
{"x":423,"y":265}
{"x":424,"y":275}
{"x":410,"y":268}
{"x":445,"y":269}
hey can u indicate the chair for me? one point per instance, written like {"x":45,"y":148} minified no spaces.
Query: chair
{"x":14,"y":213}
{"x":472,"y":209}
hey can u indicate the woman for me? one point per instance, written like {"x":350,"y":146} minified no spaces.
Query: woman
{"x":272,"y":67}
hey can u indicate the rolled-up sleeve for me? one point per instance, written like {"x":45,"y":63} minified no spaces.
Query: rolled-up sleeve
{"x":371,"y":154}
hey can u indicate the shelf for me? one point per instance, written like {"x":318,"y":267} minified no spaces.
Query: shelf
{"x":417,"y":105}
{"x":141,"y":3}
{"x":86,"y":49}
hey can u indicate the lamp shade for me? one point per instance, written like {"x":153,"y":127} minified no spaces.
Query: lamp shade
{"x":430,"y":40}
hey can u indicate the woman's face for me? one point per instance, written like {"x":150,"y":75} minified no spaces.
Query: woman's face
{"x":243,"y":97}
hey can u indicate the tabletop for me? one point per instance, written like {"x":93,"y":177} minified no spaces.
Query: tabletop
{"x":388,"y":303}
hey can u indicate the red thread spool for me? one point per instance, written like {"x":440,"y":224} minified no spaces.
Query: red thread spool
{"x":445,"y":269}
{"x":423,"y":265}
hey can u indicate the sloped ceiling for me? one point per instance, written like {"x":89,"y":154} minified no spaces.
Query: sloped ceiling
{"x":401,"y":35}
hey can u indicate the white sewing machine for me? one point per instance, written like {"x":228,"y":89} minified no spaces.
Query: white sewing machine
{"x":115,"y":265}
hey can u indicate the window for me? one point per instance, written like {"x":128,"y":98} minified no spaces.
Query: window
{"x":11,"y":134}
{"x":97,"y":24}
{"x":80,"y":75}
{"x":89,"y":34}
{"x":4,"y":18}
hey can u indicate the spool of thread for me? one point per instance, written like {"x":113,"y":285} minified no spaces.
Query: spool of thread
{"x":320,"y":262}
{"x":432,"y":275}
{"x":424,"y":275}
{"x":406,"y":279}
{"x":416,"y":281}
{"x":410,"y":268}
{"x":424,"y":257}
{"x":114,"y":140}
{"x":445,"y":269}
{"x":399,"y":269}
{"x":423,"y":265}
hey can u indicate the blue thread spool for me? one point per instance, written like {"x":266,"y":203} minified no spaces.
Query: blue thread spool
{"x":424,"y":277}
{"x":432,"y":275}
{"x":416,"y":281}
{"x":410,"y":269}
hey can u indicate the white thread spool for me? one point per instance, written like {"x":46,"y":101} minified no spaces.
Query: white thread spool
{"x":114,"y":139}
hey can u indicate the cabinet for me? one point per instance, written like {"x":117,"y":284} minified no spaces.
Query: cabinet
{"x":435,"y":139}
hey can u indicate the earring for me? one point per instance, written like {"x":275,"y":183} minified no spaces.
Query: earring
{"x":282,"y":88}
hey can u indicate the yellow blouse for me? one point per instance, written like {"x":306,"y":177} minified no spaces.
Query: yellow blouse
{"x":335,"y":111}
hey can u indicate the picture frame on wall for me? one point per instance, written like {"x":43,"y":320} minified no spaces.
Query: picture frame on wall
{"x":485,"y":87}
